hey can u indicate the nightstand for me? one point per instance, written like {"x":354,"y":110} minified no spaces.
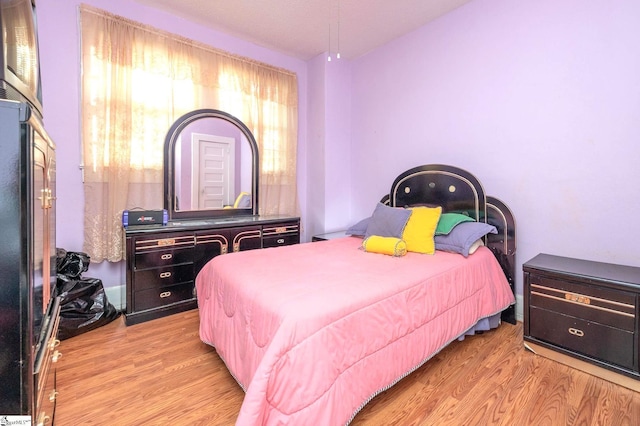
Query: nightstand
{"x":329,"y":236}
{"x":584,"y":314}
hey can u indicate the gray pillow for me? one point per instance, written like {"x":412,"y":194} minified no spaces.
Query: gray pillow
{"x":359,"y":229}
{"x":387,"y":221}
{"x":460,"y":239}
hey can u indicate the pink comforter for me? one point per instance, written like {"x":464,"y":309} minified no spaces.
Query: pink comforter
{"x":312,"y":331}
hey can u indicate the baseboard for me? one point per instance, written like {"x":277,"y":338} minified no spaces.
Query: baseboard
{"x":116,"y":295}
{"x":519,"y":308}
{"x":578,"y":364}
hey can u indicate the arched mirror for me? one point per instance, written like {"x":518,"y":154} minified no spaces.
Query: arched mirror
{"x":210,"y":167}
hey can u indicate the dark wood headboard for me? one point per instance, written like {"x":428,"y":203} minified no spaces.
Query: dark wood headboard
{"x":458,"y":191}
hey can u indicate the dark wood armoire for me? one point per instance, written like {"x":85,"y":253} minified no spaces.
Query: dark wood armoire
{"x":28,"y":312}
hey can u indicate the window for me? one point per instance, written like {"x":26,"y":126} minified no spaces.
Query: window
{"x":136,"y":81}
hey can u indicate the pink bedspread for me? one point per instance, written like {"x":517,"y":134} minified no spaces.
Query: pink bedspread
{"x":312,"y":331}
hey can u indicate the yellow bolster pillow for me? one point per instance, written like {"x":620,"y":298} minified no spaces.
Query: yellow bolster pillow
{"x":385,"y":245}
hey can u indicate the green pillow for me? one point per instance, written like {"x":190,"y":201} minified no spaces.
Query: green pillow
{"x":448,"y":221}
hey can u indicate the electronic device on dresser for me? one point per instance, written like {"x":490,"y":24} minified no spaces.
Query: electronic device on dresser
{"x":584,"y":314}
{"x":206,"y":217}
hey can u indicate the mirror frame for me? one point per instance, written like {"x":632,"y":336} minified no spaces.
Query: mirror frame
{"x":169,"y":168}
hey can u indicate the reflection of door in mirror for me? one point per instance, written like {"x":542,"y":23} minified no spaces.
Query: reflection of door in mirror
{"x":212,"y":165}
{"x":212,"y":171}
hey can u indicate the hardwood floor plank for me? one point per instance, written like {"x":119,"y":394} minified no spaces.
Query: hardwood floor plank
{"x":588,"y":402}
{"x":160,"y":373}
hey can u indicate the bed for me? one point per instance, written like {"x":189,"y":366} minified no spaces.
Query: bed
{"x":314,"y":331}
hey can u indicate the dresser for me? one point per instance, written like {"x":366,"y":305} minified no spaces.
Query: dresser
{"x":584,"y":314}
{"x":163,"y":261}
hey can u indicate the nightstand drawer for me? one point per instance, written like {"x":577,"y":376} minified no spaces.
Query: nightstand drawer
{"x":156,"y":297}
{"x":598,"y":341}
{"x":162,"y":277}
{"x":605,"y":306}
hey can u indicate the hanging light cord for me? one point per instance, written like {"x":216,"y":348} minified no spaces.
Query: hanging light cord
{"x":338,"y":50}
{"x":331,"y":10}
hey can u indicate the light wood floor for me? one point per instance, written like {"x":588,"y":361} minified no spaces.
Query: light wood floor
{"x":159,"y":373}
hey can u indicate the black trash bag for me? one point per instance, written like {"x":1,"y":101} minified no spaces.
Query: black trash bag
{"x":71,"y":263}
{"x":83,"y":301}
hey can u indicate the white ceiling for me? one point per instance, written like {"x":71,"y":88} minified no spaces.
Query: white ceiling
{"x":301,"y":28}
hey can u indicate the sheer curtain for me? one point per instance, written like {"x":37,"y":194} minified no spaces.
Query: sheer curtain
{"x":267,"y":102}
{"x":136,"y":81}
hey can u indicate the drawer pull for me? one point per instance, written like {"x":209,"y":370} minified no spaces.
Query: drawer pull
{"x":53,"y":395}
{"x":165,"y":274}
{"x":56,"y":356}
{"x":165,"y":294}
{"x":54,"y":344}
{"x":576,"y":332}
{"x":577,"y":298}
{"x":280,"y":241}
{"x":166,"y":256}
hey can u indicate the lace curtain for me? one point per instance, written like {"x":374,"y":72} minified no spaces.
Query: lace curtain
{"x":136,"y":81}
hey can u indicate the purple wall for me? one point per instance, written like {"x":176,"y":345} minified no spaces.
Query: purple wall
{"x":329,"y":160}
{"x":59,"y":47}
{"x":539,"y":99}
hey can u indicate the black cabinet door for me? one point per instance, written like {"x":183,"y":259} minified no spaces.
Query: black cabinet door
{"x":27,"y":255}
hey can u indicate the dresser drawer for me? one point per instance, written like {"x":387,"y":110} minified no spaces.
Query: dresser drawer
{"x":605,"y":306}
{"x":164,"y":241}
{"x":281,"y":229}
{"x":158,"y":278}
{"x":280,"y":234}
{"x":156,"y":297}
{"x":589,"y":338}
{"x":280,"y":240}
{"x":159,"y":258}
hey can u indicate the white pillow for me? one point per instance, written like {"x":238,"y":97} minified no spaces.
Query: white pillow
{"x":477,"y":243}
